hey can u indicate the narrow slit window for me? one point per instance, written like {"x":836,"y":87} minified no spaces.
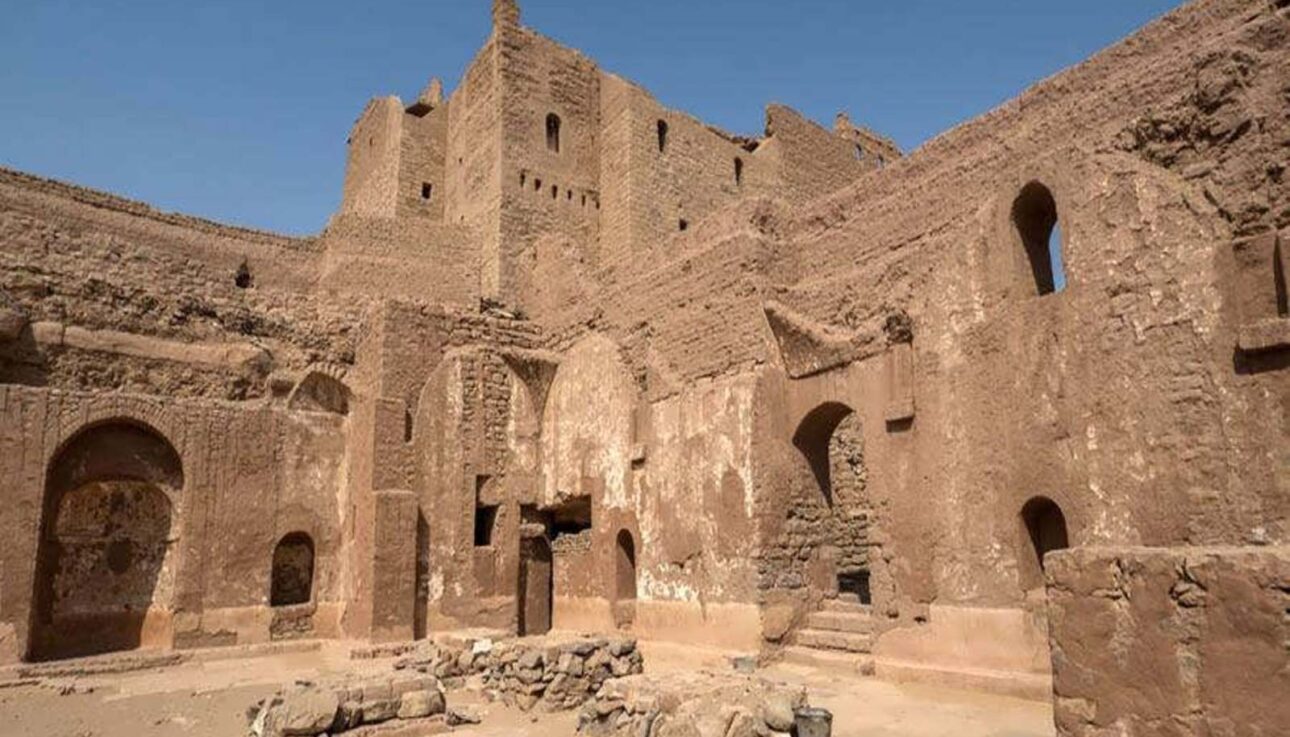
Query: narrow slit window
{"x":1279,"y":281}
{"x":739,"y":171}
{"x":427,"y":189}
{"x":1034,"y":214}
{"x":662,"y":136}
{"x":553,"y":133}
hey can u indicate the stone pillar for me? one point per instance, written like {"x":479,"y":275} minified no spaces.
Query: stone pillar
{"x":394,"y":566}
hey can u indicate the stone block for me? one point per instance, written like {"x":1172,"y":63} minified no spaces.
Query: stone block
{"x":12,"y":323}
{"x":421,"y":704}
{"x":307,"y":713}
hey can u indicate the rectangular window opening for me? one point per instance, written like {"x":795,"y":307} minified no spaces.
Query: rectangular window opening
{"x":572,"y":517}
{"x":485,"y":524}
{"x":855,"y":584}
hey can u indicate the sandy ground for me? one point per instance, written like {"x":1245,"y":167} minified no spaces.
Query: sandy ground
{"x":209,"y":698}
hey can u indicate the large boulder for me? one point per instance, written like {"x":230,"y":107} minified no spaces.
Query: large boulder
{"x":421,"y":704}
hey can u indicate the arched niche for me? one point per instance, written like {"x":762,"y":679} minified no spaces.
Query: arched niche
{"x":624,"y":567}
{"x":553,"y":125}
{"x":105,"y":556}
{"x":320,"y":392}
{"x":292,"y":576}
{"x":1044,"y":530}
{"x":624,"y":578}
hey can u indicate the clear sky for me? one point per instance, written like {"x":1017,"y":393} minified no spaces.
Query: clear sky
{"x":237,"y":110}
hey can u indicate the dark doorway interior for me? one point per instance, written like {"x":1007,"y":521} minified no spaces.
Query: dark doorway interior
{"x":536,"y":591}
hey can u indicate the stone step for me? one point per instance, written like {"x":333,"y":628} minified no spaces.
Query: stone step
{"x":848,"y":642}
{"x":827,"y":660}
{"x":840,"y":622}
{"x":848,"y":605}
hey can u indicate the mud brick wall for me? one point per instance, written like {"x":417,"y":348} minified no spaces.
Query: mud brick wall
{"x":1020,"y":395}
{"x":247,"y":477}
{"x":473,"y":174}
{"x":1182,"y":641}
{"x":77,"y":258}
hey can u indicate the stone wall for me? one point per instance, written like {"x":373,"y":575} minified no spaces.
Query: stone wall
{"x":1170,"y":641}
{"x":249,"y":478}
{"x":131,"y":299}
{"x":434,"y":385}
{"x":554,"y":673}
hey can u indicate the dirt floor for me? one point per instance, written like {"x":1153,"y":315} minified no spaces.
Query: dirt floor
{"x":209,"y":695}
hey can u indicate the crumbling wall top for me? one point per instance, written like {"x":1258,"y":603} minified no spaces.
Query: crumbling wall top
{"x":506,"y":13}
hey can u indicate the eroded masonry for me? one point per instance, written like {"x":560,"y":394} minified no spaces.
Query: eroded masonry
{"x":565,"y":358}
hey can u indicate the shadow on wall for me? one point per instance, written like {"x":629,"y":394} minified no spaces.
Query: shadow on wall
{"x":812,"y":439}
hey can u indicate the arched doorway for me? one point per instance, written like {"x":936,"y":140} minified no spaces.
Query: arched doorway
{"x":104,"y":561}
{"x":836,"y":516}
{"x":1045,"y":531}
{"x":624,"y":579}
{"x":536,"y":586}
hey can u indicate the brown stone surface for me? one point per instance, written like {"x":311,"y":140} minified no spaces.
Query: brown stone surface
{"x":564,"y":358}
{"x":1181,"y":641}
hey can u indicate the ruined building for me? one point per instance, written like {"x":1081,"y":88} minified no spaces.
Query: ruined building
{"x":567,"y":358}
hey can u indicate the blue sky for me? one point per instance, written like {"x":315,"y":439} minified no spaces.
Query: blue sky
{"x":237,"y":110}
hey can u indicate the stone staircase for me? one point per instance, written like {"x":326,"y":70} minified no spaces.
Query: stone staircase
{"x":839,"y":637}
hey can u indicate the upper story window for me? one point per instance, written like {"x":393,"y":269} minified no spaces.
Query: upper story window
{"x":553,"y":132}
{"x":662,"y":136}
{"x":1034,"y":214}
{"x":739,"y":171}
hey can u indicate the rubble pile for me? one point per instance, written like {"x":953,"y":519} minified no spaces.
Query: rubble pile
{"x":557,"y":673}
{"x":309,"y":709}
{"x":700,"y":704}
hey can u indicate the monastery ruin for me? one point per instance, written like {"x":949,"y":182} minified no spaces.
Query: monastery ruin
{"x":1010,"y":412}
